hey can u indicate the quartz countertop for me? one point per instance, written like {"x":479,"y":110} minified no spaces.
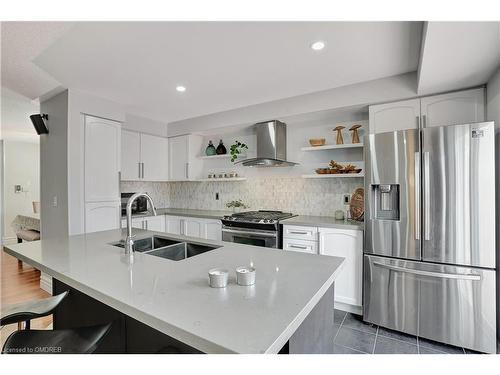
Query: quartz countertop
{"x":174,"y":297}
{"x":323,"y":221}
{"x":205,"y":214}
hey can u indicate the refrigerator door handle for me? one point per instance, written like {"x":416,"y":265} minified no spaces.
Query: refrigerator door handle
{"x":440,"y":275}
{"x":427,"y":195}
{"x":417,"y":195}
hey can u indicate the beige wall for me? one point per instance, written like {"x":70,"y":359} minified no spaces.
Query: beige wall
{"x":21,"y":167}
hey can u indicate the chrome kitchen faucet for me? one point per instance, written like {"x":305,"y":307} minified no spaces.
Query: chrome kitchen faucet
{"x":129,"y":242}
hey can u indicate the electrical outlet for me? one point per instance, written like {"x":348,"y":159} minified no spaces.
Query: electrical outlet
{"x":346,"y":199}
{"x":54,"y":201}
{"x":216,"y":196}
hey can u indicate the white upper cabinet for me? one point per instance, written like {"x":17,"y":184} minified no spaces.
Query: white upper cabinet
{"x":183,"y":162}
{"x":144,"y":157}
{"x":460,"y":107}
{"x":131,"y":156}
{"x":154,"y":158}
{"x":394,"y":116}
{"x":178,"y":158}
{"x":102,"y":159}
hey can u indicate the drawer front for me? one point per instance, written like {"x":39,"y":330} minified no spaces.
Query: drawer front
{"x":300,"y":233}
{"x":302,"y":246}
{"x":440,"y":302}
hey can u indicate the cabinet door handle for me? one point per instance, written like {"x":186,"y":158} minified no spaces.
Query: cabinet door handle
{"x":187,"y":171}
{"x":139,"y":172}
{"x":142,"y":170}
{"x":424,"y":121}
{"x":297,"y":232}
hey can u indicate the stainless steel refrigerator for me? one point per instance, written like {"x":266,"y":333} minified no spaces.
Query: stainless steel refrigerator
{"x":429,"y":259}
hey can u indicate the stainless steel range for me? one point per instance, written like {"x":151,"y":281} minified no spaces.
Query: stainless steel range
{"x":258,"y":228}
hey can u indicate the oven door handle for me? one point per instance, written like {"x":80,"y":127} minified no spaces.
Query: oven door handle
{"x":255,"y":234}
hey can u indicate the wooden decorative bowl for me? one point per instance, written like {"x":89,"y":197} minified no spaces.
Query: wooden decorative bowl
{"x":322,"y":170}
{"x":317,"y":142}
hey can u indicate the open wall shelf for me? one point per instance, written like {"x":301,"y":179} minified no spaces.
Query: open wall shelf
{"x":230,"y":179}
{"x":338,"y":175}
{"x":333,"y":147}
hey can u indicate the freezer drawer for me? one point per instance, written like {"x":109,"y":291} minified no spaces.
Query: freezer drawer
{"x":445,"y":303}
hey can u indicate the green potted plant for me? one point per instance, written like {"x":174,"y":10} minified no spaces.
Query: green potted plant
{"x":236,"y":150}
{"x":236,"y":205}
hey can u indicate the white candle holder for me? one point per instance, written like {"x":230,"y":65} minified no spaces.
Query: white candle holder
{"x":245,"y":275}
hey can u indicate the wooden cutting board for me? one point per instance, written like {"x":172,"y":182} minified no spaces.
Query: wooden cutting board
{"x":357,"y":206}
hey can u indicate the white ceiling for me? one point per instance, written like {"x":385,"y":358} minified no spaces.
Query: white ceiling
{"x":224,"y":65}
{"x":21,"y":43}
{"x":457,"y":55}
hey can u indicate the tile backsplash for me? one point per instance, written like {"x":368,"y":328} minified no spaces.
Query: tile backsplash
{"x":318,"y":197}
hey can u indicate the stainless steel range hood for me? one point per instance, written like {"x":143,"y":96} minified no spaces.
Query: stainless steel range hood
{"x":271,"y":146}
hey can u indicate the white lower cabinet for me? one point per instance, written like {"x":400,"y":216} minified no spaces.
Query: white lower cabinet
{"x":193,"y":227}
{"x":210,"y":229}
{"x":292,"y":244}
{"x":213,"y":230}
{"x":155,"y":223}
{"x":300,"y":232}
{"x":136,"y":223}
{"x":173,"y":224}
{"x":346,"y":243}
{"x":101,"y":216}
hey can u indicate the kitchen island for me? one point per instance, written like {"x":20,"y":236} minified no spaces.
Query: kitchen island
{"x":158,"y":303}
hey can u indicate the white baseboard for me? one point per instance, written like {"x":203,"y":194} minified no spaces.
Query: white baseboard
{"x":46,"y":282}
{"x":349,"y":308}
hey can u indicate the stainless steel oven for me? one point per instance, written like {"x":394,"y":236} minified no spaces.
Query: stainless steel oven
{"x":256,"y":237}
{"x":258,"y":228}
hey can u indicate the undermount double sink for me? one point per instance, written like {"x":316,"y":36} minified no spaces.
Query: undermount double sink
{"x":167,"y":248}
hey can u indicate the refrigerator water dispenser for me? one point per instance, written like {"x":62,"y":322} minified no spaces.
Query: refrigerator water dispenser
{"x":386,"y":198}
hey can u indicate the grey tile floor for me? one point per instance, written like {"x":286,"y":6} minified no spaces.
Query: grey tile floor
{"x":353,"y":336}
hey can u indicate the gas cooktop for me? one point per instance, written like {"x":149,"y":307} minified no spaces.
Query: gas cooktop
{"x":262,"y":217}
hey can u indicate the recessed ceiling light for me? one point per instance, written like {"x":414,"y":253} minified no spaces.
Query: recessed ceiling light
{"x":180,"y":88}
{"x":318,"y":46}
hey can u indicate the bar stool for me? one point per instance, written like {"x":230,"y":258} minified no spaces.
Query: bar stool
{"x":79,"y":340}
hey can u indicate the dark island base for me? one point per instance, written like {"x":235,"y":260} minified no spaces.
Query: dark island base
{"x":127,"y":335}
